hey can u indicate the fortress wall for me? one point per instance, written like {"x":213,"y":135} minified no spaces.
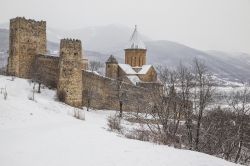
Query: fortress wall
{"x":104,"y":93}
{"x":48,"y":70}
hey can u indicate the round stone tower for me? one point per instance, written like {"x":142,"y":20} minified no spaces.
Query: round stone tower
{"x":112,"y":67}
{"x":69,"y":87}
{"x":135,"y":52}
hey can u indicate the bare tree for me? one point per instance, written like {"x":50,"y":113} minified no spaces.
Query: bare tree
{"x":95,"y":66}
{"x":239,"y":102}
{"x":203,"y":94}
{"x":219,"y":129}
{"x":186,"y":84}
{"x":121,"y":94}
{"x":161,"y":115}
{"x":35,"y":75}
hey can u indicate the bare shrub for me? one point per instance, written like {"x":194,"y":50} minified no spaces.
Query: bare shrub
{"x":12,"y":78}
{"x":114,"y":123}
{"x":95,"y":66}
{"x":139,"y":134}
{"x":5,"y":94}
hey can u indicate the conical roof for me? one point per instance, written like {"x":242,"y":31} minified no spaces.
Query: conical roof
{"x":135,"y":42}
{"x":112,"y":60}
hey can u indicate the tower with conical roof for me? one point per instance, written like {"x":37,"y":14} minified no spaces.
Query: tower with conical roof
{"x":112,"y":67}
{"x":135,"y":52}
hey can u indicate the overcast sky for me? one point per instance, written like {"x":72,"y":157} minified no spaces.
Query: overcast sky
{"x":202,"y":24}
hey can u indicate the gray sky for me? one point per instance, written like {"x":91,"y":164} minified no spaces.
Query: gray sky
{"x":202,"y":24}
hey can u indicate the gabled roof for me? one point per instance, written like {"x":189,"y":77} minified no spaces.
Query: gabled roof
{"x":127,"y":69}
{"x":132,"y":70}
{"x":135,"y":42}
{"x":144,"y":69}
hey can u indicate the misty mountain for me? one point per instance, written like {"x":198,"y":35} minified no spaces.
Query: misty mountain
{"x":111,"y":39}
{"x":232,"y":66}
{"x":105,"y":39}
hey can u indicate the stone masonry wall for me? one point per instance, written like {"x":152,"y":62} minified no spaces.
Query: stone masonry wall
{"x":105,"y":93}
{"x":135,"y":57}
{"x":47,"y":68}
{"x":150,"y":76}
{"x":27,"y":39}
{"x":69,"y":88}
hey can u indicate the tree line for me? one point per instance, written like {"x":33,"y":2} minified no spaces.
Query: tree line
{"x":193,"y":114}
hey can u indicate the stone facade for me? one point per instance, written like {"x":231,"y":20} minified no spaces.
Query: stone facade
{"x":69,"y":88}
{"x":75,"y":86}
{"x":135,"y":69}
{"x":145,"y":73}
{"x":27,"y":39}
{"x":47,"y":69}
{"x":150,"y":76}
{"x":106,"y":92}
{"x":135,"y":57}
{"x":112,"y":68}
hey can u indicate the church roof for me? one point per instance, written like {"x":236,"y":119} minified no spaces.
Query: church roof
{"x":143,"y":70}
{"x":134,"y":70}
{"x":112,"y":59}
{"x":127,"y":69}
{"x":134,"y":79}
{"x":135,"y":42}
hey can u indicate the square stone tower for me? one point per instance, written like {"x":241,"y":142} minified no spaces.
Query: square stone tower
{"x":27,"y":39}
{"x":69,"y":88}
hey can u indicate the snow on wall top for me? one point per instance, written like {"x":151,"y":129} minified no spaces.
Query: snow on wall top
{"x":134,"y":79}
{"x":127,"y":68}
{"x":135,"y":42}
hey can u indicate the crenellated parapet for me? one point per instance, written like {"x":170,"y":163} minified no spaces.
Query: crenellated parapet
{"x":24,"y":20}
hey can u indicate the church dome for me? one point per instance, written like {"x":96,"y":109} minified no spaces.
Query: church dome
{"x":135,"y":42}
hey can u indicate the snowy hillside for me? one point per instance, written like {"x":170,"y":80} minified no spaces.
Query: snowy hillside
{"x":43,"y":132}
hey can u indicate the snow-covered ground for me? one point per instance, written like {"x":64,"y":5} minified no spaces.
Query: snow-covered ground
{"x":43,"y":133}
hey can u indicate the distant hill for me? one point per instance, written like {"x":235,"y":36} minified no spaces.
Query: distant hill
{"x":4,"y":39}
{"x":228,"y":66}
{"x":100,"y":42}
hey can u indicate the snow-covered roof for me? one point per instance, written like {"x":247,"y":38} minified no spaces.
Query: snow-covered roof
{"x":135,"y":42}
{"x":134,"y":79}
{"x":132,"y":70}
{"x":144,"y":69}
{"x":127,"y":69}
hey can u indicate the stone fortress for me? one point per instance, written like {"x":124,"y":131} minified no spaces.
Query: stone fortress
{"x":68,"y":73}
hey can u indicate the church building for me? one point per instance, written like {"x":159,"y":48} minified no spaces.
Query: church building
{"x":134,"y":70}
